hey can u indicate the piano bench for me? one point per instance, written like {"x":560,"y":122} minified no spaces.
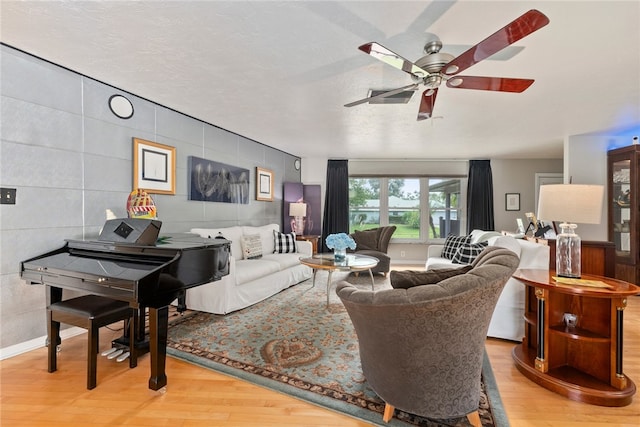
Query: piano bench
{"x":90,"y":312}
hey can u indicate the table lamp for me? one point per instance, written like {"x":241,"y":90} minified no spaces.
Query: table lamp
{"x":571,"y":203}
{"x":298,"y":211}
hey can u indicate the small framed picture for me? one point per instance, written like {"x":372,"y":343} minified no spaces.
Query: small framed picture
{"x":264,"y":184}
{"x":512,"y":201}
{"x":154,"y":167}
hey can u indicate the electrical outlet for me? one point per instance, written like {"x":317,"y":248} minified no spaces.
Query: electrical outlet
{"x":402,"y":254}
{"x":7,"y":196}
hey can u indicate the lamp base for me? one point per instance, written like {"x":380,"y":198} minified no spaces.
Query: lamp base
{"x":568,"y":253}
{"x":299,"y":225}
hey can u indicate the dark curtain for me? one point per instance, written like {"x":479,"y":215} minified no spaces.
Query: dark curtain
{"x":480,"y":196}
{"x":336,"y":202}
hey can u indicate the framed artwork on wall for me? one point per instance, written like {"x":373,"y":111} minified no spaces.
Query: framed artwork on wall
{"x":512,"y":201}
{"x":264,"y":184}
{"x":154,"y":167}
{"x":211,"y":181}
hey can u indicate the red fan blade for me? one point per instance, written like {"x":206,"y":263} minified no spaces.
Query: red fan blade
{"x":383,"y":95}
{"x":526,"y":24}
{"x":427,"y":102}
{"x":385,"y":55}
{"x":501,"y":84}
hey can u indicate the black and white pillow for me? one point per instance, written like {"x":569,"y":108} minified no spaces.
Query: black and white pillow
{"x":467,"y":252}
{"x":284,"y":243}
{"x":452,"y":243}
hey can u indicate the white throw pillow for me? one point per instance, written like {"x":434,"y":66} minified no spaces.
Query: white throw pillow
{"x":266,"y":235}
{"x":506,"y":242}
{"x":251,"y":246}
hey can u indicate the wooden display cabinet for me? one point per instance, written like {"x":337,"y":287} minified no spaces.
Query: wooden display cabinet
{"x":623,"y":204}
{"x":580,"y":360}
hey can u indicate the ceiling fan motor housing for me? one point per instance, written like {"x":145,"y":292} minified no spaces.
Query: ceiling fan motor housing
{"x":434,"y":62}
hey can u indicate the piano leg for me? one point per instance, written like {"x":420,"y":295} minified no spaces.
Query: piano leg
{"x":182,"y":302}
{"x":133,"y":357}
{"x":53,"y":337}
{"x":158,"y":328}
{"x":53,"y":295}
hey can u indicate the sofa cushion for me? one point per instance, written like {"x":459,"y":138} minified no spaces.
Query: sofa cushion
{"x":284,"y":243}
{"x":478,"y":236}
{"x":409,"y":278}
{"x":251,"y":246}
{"x":467,"y":252}
{"x":233,"y":234}
{"x":266,"y":235}
{"x":284,"y":260}
{"x":506,"y":242}
{"x":452,"y":243}
{"x":248,"y":270}
{"x":366,"y":239}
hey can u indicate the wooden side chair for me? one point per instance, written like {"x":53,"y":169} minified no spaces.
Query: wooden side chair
{"x":90,"y":312}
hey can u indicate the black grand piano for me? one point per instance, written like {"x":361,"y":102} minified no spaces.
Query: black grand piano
{"x":148,"y":274}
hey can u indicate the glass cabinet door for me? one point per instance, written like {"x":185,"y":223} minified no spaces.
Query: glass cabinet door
{"x":621,"y":200}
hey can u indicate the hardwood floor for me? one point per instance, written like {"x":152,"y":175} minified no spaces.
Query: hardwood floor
{"x":29,"y":396}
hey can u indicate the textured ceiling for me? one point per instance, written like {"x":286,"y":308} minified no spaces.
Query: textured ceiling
{"x":280,"y":72}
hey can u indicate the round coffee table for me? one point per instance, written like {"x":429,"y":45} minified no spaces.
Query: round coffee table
{"x":353,"y":262}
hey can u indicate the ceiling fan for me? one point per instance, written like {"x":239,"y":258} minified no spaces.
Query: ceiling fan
{"x":435,"y":67}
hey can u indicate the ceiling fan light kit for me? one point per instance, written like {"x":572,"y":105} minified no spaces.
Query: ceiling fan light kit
{"x":435,"y":67}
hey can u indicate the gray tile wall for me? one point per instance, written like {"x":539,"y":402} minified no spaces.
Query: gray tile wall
{"x":70,"y":159}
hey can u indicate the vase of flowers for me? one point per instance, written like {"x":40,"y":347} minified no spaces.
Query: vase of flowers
{"x":339,"y":242}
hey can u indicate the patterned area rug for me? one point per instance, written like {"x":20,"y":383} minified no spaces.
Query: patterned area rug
{"x":293,"y":343}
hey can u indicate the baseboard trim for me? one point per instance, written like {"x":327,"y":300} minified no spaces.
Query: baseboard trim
{"x":24,"y":347}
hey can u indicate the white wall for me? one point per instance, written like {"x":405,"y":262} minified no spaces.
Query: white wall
{"x":586,"y":163}
{"x":517,"y":176}
{"x":70,"y":159}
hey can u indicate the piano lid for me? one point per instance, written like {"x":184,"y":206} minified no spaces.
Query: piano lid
{"x":66,"y":263}
{"x":166,"y":245}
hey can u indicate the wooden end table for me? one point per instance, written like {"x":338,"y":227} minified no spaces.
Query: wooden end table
{"x":353,"y":262}
{"x":578,"y":358}
{"x":312,"y":239}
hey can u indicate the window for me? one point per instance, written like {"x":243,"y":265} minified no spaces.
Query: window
{"x":422,"y":209}
{"x":364,"y":203}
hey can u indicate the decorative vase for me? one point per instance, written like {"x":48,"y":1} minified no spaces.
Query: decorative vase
{"x":339,"y":255}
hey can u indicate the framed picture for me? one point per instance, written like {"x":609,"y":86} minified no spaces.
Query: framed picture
{"x":264,"y":184}
{"x":211,"y":181}
{"x":512,"y":201}
{"x":154,"y":167}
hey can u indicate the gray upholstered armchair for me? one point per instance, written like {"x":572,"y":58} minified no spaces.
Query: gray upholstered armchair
{"x":374,"y":242}
{"x":422,"y":347}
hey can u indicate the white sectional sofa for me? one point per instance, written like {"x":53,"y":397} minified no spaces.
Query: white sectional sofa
{"x":249,"y":280}
{"x":508,"y":318}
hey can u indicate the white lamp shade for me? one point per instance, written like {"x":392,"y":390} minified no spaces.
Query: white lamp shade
{"x":297,"y":209}
{"x":572,"y":203}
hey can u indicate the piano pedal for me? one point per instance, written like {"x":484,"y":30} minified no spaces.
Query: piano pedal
{"x":123,"y":356}
{"x":115,"y":354}
{"x":109,"y":351}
